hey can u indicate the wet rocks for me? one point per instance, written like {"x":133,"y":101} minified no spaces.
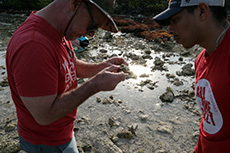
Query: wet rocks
{"x":186,"y":70}
{"x":133,"y":128}
{"x":168,"y":96}
{"x":166,"y":128}
{"x":103,"y":145}
{"x":112,"y":122}
{"x":109,"y":100}
{"x":136,"y":59}
{"x":159,"y":65}
{"x":4,"y":83}
{"x":11,"y":126}
{"x":148,"y":83}
{"x":9,"y":147}
{"x":125,"y":134}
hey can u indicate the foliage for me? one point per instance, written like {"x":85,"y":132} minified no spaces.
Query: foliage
{"x":146,"y":7}
{"x":24,"y":4}
{"x":129,"y":7}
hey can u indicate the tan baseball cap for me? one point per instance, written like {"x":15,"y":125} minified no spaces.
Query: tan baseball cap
{"x":106,"y":6}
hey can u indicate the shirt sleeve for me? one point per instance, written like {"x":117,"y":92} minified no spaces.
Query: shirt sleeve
{"x":35,"y":71}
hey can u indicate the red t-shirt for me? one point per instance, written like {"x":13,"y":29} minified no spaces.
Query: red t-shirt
{"x":38,"y":64}
{"x":213,"y":97}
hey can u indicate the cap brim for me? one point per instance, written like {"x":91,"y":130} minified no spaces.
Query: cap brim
{"x":164,"y":17}
{"x":114,"y":28}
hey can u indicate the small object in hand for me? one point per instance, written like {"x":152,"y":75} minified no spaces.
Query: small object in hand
{"x":124,"y":69}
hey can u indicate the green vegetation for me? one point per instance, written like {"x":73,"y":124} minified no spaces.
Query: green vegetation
{"x":146,"y":7}
{"x":23,"y":4}
{"x":129,"y":7}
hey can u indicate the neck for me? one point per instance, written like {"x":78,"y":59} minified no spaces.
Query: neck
{"x":215,"y":37}
{"x":54,"y":16}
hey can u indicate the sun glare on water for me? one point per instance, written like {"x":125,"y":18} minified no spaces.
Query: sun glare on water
{"x":139,"y":70}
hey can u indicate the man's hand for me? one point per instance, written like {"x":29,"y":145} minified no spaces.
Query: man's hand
{"x":107,"y":79}
{"x":116,"y":61}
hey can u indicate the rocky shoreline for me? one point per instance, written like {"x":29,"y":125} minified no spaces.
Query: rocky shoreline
{"x":152,"y":111}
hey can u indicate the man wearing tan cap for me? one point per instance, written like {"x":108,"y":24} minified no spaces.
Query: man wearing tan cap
{"x":42,"y":72}
{"x":204,"y":22}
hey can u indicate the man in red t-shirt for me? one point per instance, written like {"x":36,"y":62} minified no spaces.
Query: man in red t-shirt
{"x":42,"y":71}
{"x":204,"y":22}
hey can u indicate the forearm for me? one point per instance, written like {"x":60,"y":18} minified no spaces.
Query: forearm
{"x":68,"y":102}
{"x":48,"y":109}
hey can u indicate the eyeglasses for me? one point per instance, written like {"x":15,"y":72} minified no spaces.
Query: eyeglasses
{"x":90,"y":29}
{"x":94,"y":26}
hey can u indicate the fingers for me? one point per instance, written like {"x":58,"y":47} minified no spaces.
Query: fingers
{"x":118,"y":61}
{"x":120,"y":76}
{"x":112,"y":68}
{"x":108,"y":79}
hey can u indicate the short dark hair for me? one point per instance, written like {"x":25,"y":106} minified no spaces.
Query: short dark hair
{"x":219,"y":13}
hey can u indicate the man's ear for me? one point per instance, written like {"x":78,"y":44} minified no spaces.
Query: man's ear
{"x":204,"y":11}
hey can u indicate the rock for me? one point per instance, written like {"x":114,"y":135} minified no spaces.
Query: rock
{"x":4,"y":83}
{"x":148,"y":83}
{"x":98,"y":99}
{"x":105,"y":145}
{"x":177,"y":82}
{"x":107,"y":101}
{"x":86,"y":147}
{"x":170,"y":76}
{"x":165,"y":128}
{"x":185,"y":53}
{"x":159,"y":65}
{"x":9,"y":147}
{"x":112,"y":122}
{"x":144,"y":117}
{"x":125,"y":135}
{"x":161,"y":151}
{"x":103,"y":51}
{"x":148,"y":51}
{"x":107,"y":35}
{"x":186,"y":70}
{"x":168,"y":96}
{"x":147,"y":56}
{"x":2,"y":67}
{"x":133,"y":129}
{"x":181,"y":59}
{"x":11,"y":126}
{"x":144,"y":75}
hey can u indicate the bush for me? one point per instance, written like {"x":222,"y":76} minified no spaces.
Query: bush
{"x":24,"y":4}
{"x":129,"y":7}
{"x":146,"y":7}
